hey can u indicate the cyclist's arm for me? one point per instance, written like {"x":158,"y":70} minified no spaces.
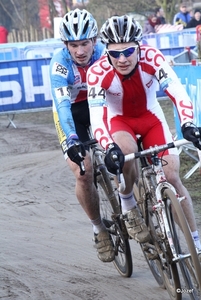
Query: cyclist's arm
{"x":96,"y":75}
{"x":99,"y":115}
{"x":61,"y":94}
{"x":171,"y":85}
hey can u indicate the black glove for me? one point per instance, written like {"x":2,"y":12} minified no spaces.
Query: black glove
{"x":114,"y":158}
{"x":191,"y":133}
{"x":76,"y":151}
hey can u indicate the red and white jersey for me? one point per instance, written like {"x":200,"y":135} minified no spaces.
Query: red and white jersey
{"x":111,"y":94}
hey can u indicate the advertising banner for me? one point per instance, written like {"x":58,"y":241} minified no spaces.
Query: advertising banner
{"x":24,"y":85}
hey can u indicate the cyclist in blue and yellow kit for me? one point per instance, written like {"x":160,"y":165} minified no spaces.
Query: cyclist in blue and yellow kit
{"x":68,"y":67}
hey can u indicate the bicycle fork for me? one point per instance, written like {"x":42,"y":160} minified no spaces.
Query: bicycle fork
{"x":163,"y":220}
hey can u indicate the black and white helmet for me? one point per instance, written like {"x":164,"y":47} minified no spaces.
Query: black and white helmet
{"x":78,"y":25}
{"x":121,"y":29}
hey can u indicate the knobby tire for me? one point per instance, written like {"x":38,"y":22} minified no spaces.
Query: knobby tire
{"x":166,"y":274}
{"x":183,"y":241}
{"x":109,"y":205}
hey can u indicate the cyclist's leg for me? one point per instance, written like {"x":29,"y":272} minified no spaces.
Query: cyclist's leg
{"x":134,"y":222}
{"x":128,"y":145}
{"x":85,"y":188}
{"x":88,"y":198}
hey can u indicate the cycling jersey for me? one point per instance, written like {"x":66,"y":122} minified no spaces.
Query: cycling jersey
{"x":119,"y":102}
{"x":68,"y":86}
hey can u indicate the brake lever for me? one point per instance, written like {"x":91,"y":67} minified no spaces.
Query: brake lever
{"x":120,"y":176}
{"x":198,"y":135}
{"x":82,"y":166}
{"x":115,"y":158}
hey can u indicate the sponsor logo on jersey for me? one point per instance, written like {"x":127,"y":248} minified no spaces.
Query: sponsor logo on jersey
{"x":149,"y":84}
{"x":165,"y":83}
{"x":58,"y":69}
{"x":77,"y":79}
{"x":98,"y":102}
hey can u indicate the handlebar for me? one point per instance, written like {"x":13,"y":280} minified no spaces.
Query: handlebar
{"x":82,"y":168}
{"x":156,"y":149}
{"x":89,"y":143}
{"x":148,"y":152}
{"x":152,"y":150}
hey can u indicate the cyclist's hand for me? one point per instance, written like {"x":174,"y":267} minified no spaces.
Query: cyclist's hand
{"x":76,"y":151}
{"x":191,"y":133}
{"x":114,"y":158}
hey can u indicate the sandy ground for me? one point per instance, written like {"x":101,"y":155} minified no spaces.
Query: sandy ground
{"x":46,"y":248}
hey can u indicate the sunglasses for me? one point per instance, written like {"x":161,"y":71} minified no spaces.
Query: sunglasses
{"x":126,"y":52}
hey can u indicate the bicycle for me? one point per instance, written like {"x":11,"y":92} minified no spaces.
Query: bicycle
{"x":171,"y":251}
{"x":110,"y":209}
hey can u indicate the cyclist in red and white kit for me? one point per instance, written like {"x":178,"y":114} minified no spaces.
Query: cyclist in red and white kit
{"x":122,"y":99}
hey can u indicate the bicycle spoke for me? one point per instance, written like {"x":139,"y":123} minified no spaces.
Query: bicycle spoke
{"x":184,"y":244}
{"x":158,"y":253}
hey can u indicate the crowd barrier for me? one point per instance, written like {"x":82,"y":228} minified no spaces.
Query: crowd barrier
{"x":24,"y":78}
{"x":24,"y":85}
{"x":171,"y":43}
{"x":29,"y":50}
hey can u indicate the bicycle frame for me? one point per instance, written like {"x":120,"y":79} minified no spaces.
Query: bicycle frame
{"x":158,"y":189}
{"x":156,"y":170}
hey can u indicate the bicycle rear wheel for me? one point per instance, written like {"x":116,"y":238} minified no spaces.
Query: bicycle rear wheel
{"x":184,"y":245}
{"x":157,"y":251}
{"x":109,"y":205}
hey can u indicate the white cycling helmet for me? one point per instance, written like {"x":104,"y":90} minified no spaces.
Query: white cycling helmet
{"x":121,"y":29}
{"x":78,"y":25}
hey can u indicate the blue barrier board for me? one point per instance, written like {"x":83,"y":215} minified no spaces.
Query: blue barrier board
{"x":24,"y":85}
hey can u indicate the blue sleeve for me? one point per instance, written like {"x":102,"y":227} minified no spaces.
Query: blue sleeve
{"x":99,"y":50}
{"x":61,"y":79}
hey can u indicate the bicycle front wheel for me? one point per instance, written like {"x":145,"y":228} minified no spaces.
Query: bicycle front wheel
{"x":149,"y":250}
{"x":109,"y":205}
{"x":189,"y":262}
